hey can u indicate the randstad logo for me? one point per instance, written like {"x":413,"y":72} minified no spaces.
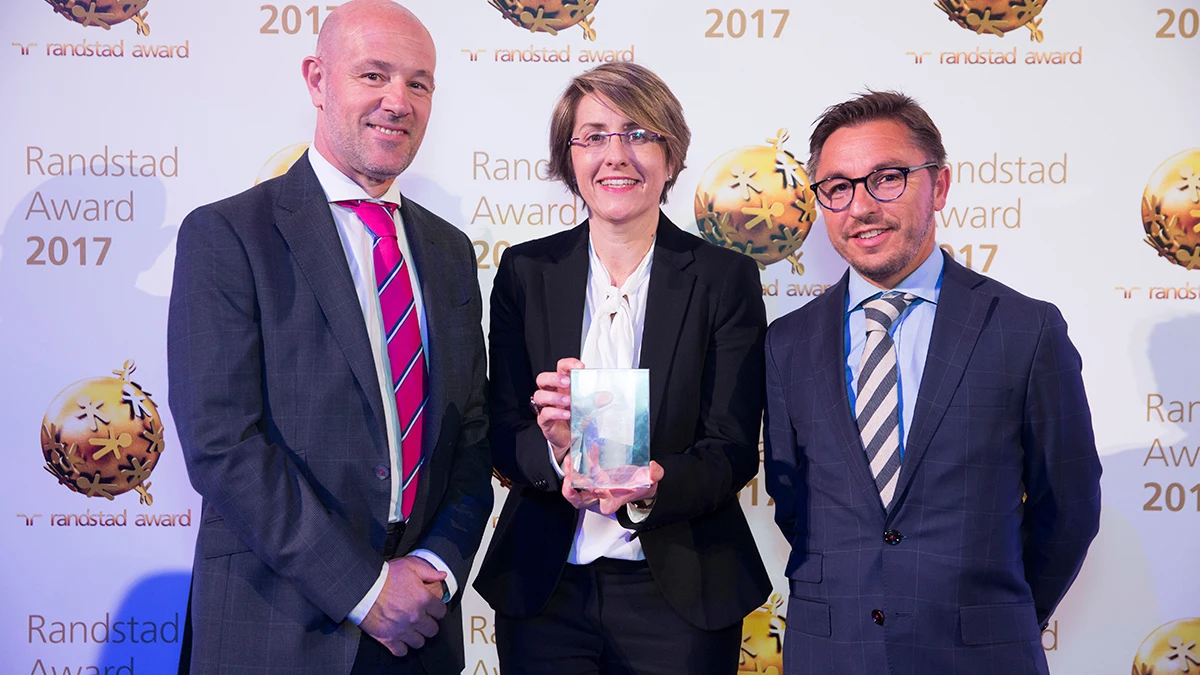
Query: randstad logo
{"x":1171,"y":209}
{"x":104,"y":13}
{"x":757,"y":200}
{"x":101,"y":437}
{"x":995,"y":17}
{"x":115,"y":17}
{"x":280,"y":162}
{"x":762,"y":638}
{"x":549,"y":16}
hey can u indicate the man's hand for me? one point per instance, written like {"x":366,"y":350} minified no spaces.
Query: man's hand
{"x":408,"y":608}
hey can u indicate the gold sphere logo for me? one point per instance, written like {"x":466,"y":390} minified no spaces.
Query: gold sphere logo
{"x":995,"y":17}
{"x":103,"y":13}
{"x":549,"y":16}
{"x":1171,"y":209}
{"x":762,"y":639}
{"x":1171,"y":648}
{"x":280,"y":162}
{"x":102,"y":437}
{"x":757,"y":200}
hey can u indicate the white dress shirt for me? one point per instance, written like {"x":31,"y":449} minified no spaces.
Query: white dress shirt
{"x":617,"y":344}
{"x":357,"y":243}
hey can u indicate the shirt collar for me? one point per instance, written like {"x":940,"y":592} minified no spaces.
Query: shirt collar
{"x":338,"y":186}
{"x":925,"y":282}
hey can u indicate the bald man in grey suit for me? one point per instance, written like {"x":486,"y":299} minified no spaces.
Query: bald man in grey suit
{"x":313,"y":555}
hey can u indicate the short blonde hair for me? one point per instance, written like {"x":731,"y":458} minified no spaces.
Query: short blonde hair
{"x":637,"y":93}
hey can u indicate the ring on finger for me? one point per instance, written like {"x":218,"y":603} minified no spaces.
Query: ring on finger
{"x":533,"y":405}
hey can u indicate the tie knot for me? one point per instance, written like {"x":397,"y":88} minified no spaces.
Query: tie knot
{"x":882,"y":311}
{"x":377,"y":217}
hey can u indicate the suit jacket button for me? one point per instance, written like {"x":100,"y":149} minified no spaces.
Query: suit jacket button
{"x":877,"y":617}
{"x":892,"y":537}
{"x":382,"y":472}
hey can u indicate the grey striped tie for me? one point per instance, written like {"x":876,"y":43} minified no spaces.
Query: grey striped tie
{"x":877,"y":406}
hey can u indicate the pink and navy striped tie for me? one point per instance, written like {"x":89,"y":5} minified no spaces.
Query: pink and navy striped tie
{"x":406,"y":355}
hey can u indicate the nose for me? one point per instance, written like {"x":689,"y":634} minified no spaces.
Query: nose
{"x":863,"y":205}
{"x":395,"y":99}
{"x":616,"y":152}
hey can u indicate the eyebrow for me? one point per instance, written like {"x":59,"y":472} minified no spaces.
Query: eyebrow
{"x":595,"y":125}
{"x":377,"y":64}
{"x":885,"y":164}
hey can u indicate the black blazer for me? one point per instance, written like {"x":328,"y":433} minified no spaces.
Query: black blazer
{"x":703,"y":344}
{"x":274,"y":391}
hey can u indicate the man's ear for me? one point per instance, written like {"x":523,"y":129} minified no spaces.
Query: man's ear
{"x":941,"y":188}
{"x":314,"y":77}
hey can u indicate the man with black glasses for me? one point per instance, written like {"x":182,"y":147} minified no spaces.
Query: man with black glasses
{"x":928,"y":442}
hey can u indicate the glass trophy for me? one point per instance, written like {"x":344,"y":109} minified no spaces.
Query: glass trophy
{"x":610,"y":427}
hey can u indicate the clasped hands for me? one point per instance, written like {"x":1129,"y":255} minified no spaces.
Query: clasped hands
{"x":408,"y":608}
{"x":552,"y":401}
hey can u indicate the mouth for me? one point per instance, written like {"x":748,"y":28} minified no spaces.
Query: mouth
{"x":870,"y":237}
{"x":618,"y":183}
{"x":388,"y":132}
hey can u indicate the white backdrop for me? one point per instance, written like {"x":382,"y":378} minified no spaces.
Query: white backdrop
{"x":1053,"y":154}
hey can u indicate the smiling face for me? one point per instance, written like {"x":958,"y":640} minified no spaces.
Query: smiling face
{"x":882,"y":241}
{"x":372,"y":84}
{"x":621,"y":184}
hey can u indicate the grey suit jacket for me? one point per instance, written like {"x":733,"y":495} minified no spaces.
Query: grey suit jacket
{"x":997,"y":501}
{"x":274,"y":392}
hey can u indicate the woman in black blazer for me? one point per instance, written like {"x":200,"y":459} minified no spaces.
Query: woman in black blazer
{"x":648,"y":580}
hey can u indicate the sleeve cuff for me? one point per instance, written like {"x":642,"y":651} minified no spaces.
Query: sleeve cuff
{"x":637,"y":514}
{"x":360,"y":610}
{"x":554,"y":462}
{"x":441,"y":566}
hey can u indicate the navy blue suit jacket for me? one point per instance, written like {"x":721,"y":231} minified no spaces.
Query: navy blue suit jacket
{"x":274,"y":393}
{"x":997,"y":501}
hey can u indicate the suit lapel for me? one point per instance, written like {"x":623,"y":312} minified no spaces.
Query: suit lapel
{"x":667,"y":301}
{"x":832,"y":380}
{"x":566,"y":294}
{"x":303,"y":218}
{"x":960,"y":316}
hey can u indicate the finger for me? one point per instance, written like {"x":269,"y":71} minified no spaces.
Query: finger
{"x":552,"y":414}
{"x":429,"y":574}
{"x":423,"y":569}
{"x":579,"y":500}
{"x":426,"y":627}
{"x":413,"y":639}
{"x":397,"y":648}
{"x":565,"y":366}
{"x":552,"y":381}
{"x":656,"y":471}
{"x":436,"y":608}
{"x":610,"y":502}
{"x":551,"y":399}
{"x":569,"y":492}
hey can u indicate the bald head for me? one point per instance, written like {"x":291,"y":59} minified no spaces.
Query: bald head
{"x":371,"y":81}
{"x":349,"y":18}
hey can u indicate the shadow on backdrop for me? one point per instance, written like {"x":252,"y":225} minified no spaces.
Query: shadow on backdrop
{"x":151,"y":619}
